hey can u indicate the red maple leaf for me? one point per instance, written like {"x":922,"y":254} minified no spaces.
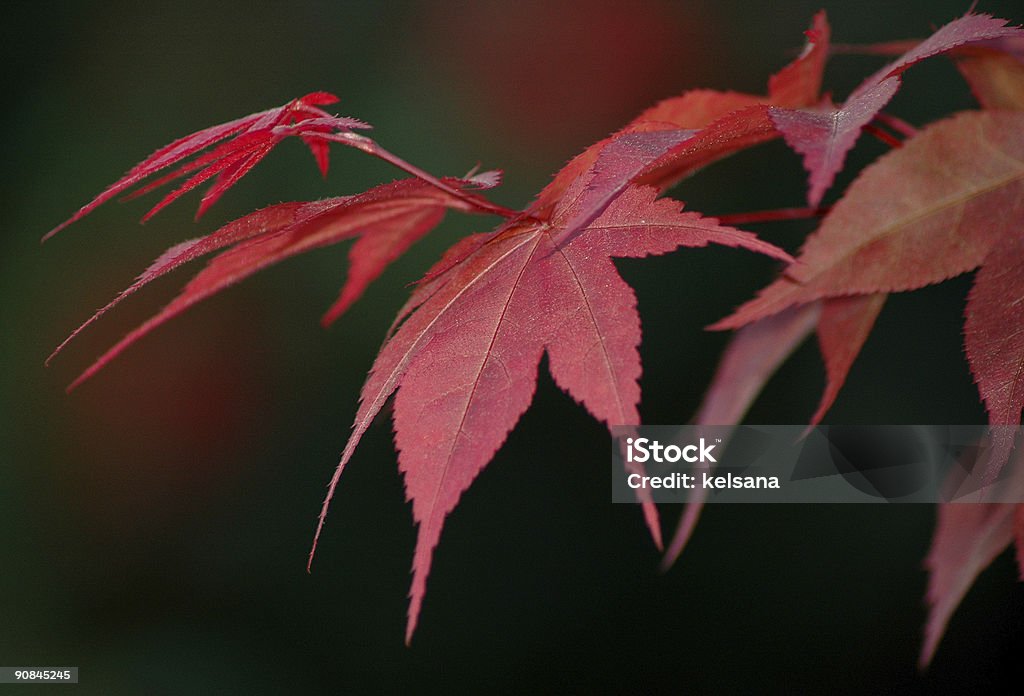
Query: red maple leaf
{"x":386,"y":220}
{"x":463,"y":364}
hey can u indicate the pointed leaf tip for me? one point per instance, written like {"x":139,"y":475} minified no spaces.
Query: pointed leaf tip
{"x":242,"y":143}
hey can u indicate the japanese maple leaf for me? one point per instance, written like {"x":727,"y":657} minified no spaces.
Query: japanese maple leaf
{"x":385,"y":221}
{"x":463,"y":364}
{"x":243,"y":143}
{"x":825,"y":134}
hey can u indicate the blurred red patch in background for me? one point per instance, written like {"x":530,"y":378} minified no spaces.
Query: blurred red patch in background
{"x":564,"y":72}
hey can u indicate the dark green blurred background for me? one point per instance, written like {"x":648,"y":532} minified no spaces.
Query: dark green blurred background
{"x":154,"y":525}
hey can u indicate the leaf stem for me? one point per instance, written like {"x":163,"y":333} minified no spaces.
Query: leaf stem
{"x":773,"y":215}
{"x":371,"y":147}
{"x":896,"y":123}
{"x":883,"y":135}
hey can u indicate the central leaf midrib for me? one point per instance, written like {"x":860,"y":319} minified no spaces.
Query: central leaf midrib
{"x":896,"y":227}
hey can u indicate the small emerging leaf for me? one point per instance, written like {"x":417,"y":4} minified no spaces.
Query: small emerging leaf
{"x":252,"y":136}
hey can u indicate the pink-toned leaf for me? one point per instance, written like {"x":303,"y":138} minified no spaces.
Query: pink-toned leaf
{"x":751,"y":358}
{"x":617,"y":165}
{"x":483,"y":328}
{"x":656,"y":148}
{"x":994,"y":341}
{"x":1018,"y":533}
{"x":922,"y":214}
{"x":968,"y":537}
{"x":824,"y":137}
{"x":844,"y":325}
{"x":996,"y":77}
{"x":388,"y":219}
{"x":218,"y":166}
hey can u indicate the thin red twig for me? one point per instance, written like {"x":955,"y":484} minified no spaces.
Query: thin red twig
{"x":773,"y":215}
{"x":883,"y":135}
{"x":371,"y":147}
{"x":897,"y":124}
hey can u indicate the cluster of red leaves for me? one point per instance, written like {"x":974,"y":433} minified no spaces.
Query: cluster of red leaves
{"x":948,"y":200}
{"x":462,"y":357}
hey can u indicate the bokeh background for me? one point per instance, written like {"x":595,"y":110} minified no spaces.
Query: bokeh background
{"x":154,"y":524}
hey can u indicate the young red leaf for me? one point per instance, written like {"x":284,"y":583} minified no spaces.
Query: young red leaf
{"x":463,"y":365}
{"x":825,"y":136}
{"x":254,"y":136}
{"x":386,"y":219}
{"x":253,"y":150}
